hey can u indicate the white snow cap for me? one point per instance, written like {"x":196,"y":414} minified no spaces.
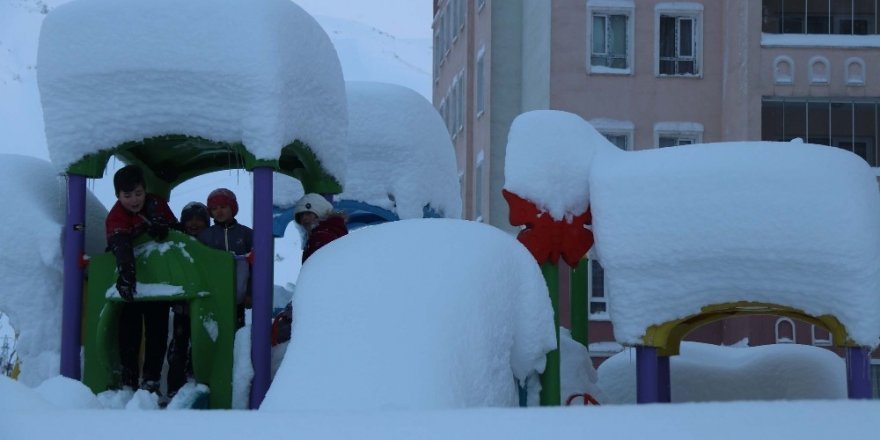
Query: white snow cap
{"x":260,"y":72}
{"x":400,"y":154}
{"x":31,"y":264}
{"x":549,"y":153}
{"x":397,"y":316}
{"x":784,"y":223}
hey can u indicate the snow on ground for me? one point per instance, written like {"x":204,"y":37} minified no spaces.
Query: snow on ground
{"x":709,"y":373}
{"x":394,"y":316}
{"x":32,"y":417}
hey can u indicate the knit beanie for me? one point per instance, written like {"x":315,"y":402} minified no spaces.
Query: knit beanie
{"x":223,"y":196}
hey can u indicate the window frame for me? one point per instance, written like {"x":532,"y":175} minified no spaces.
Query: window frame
{"x":692,"y":131}
{"x":607,"y":9}
{"x":599,"y":316}
{"x":612,"y":127}
{"x":478,"y":186}
{"x":679,"y":11}
{"x":789,"y":321}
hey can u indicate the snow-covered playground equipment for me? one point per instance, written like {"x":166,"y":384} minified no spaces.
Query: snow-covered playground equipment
{"x":256,"y":86}
{"x":693,"y":234}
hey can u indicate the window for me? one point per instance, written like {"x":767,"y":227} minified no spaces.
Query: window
{"x":480,"y":86}
{"x":849,"y":123}
{"x":875,"y":378}
{"x":678,"y":41}
{"x":841,"y":17}
{"x":596,"y":286}
{"x":785,"y":331}
{"x":478,"y":187}
{"x":609,"y":41}
{"x":619,"y":133}
{"x":609,"y":32}
{"x":671,"y":134}
{"x":821,"y":336}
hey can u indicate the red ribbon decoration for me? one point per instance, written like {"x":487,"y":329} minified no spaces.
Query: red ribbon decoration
{"x":548,"y":239}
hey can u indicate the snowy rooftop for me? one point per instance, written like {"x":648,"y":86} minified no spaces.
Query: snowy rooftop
{"x":262,"y":73}
{"x":681,"y":228}
{"x":400,"y":148}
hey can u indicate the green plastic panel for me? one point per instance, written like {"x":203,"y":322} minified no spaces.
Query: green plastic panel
{"x":189,"y":271}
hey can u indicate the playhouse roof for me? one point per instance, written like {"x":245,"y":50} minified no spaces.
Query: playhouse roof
{"x":685,"y":227}
{"x":258,"y":73}
{"x":400,"y":155}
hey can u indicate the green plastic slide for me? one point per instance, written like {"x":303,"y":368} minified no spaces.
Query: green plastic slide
{"x":178,"y":269}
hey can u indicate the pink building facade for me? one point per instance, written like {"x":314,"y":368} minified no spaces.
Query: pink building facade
{"x":652,"y":74}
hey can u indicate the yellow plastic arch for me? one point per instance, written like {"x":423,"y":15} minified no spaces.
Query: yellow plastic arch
{"x":667,"y":337}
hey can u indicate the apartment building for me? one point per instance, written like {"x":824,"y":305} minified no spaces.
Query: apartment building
{"x":655,"y":74}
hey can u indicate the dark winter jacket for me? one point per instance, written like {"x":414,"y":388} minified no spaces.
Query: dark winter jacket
{"x":326,"y":231}
{"x":231,"y":237}
{"x":122,"y":221}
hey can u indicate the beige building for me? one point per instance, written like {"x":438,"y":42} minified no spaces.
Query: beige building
{"x":649,"y":74}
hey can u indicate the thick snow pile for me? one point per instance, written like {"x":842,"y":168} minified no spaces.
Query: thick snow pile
{"x":784,"y":223}
{"x":31,"y":263}
{"x":400,"y":154}
{"x":548,"y":158}
{"x":67,"y":393}
{"x":704,"y":373}
{"x":415,"y":314}
{"x":262,"y":73}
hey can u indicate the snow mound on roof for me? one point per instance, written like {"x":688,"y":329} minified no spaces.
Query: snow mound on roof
{"x":260,"y":72}
{"x":709,"y":373}
{"x":31,"y":262}
{"x":400,"y":154}
{"x":549,"y":153}
{"x":785,"y":223}
{"x":415,"y":314}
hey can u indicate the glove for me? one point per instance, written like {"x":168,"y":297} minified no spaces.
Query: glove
{"x":120,"y":245}
{"x":158,"y":229}
{"x":125,"y":284}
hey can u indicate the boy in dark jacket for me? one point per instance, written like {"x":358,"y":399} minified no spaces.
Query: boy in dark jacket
{"x":194,"y":219}
{"x":137,"y":212}
{"x":228,"y":235}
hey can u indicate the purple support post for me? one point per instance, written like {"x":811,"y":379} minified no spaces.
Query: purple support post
{"x":74,"y":242}
{"x":858,"y":372}
{"x":664,"y":389}
{"x":262,"y":285}
{"x":646,"y":375}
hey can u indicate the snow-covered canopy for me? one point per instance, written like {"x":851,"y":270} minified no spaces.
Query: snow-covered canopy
{"x":31,"y":262}
{"x":415,"y":314}
{"x":549,"y":153}
{"x":259,"y":72}
{"x":400,"y":155}
{"x":681,"y":228}
{"x":783,"y":223}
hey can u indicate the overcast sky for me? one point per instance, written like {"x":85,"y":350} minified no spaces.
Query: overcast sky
{"x":401,"y":18}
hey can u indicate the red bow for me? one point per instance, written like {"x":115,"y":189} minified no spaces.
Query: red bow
{"x":548,"y":239}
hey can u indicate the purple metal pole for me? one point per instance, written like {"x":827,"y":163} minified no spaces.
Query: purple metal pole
{"x":664,"y":390}
{"x":858,"y":372}
{"x":74,"y":241}
{"x":646,"y":375}
{"x":262,"y":285}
